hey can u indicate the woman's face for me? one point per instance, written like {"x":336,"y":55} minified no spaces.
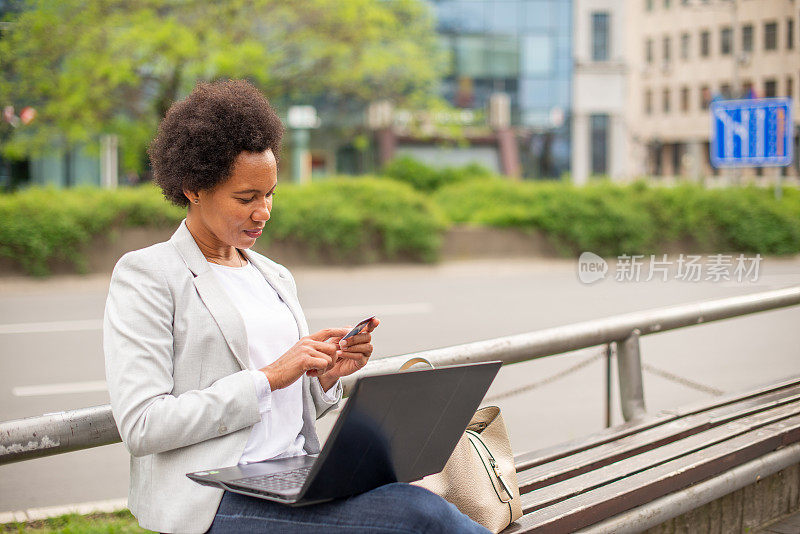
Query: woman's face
{"x":234,"y":212}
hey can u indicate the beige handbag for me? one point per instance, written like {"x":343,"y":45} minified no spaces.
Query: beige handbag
{"x":480,"y":477}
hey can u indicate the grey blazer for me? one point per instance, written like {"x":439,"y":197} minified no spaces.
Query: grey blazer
{"x":176,"y":357}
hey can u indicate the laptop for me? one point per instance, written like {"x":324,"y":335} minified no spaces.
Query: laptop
{"x":395,"y":427}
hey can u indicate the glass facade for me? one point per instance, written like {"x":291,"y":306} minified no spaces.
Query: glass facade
{"x":522,"y":48}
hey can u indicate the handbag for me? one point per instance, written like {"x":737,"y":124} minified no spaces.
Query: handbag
{"x":479,"y":478}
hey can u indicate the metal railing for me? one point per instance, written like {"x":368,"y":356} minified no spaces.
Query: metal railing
{"x":49,"y":434}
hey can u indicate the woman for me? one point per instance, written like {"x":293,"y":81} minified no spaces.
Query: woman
{"x":209,"y":360}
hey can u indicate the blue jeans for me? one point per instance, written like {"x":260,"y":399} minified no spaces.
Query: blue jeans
{"x":394,"y":508}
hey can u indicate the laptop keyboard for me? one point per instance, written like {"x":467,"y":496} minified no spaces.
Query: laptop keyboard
{"x":285,"y":480}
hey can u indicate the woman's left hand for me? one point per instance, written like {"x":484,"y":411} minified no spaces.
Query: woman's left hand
{"x":353,"y":354}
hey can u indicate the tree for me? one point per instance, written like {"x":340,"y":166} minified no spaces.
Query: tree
{"x":94,"y":67}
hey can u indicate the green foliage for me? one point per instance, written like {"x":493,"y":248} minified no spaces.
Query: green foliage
{"x":611,"y":219}
{"x":358,"y":219}
{"x":353,"y":220}
{"x":366,"y":219}
{"x":114,"y":67}
{"x":425,"y":178}
{"x":41,"y":225}
{"x":741,"y":220}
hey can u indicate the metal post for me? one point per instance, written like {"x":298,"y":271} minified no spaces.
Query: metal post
{"x":737,"y":89}
{"x":608,"y":385}
{"x":778,"y":184}
{"x":300,"y":138}
{"x":629,"y":367}
{"x":109,"y":166}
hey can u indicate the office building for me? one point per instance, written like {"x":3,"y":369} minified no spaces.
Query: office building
{"x":522,"y":48}
{"x":684,"y":53}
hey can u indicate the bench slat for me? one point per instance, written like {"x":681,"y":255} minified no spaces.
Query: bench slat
{"x":600,"y":477}
{"x":642,"y":487}
{"x":531,"y":459}
{"x":596,"y":457}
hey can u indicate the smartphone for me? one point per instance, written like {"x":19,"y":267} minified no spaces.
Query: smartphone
{"x":359,"y":327}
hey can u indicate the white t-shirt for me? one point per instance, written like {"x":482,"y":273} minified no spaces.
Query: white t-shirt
{"x":271,"y":331}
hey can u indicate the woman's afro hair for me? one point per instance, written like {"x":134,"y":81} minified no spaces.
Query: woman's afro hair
{"x":200,"y":137}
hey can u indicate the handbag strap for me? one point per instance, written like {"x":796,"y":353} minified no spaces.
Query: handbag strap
{"x":475,"y":438}
{"x":413,"y":361}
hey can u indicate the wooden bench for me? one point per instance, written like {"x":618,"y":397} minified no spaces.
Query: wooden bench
{"x":589,"y":481}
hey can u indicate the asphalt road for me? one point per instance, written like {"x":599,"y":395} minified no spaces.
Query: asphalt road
{"x":51,"y":356}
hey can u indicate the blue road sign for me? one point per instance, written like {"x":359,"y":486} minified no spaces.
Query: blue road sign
{"x":752,"y":133}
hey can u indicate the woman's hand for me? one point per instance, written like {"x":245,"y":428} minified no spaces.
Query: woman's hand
{"x":352,"y":354}
{"x":313,"y":354}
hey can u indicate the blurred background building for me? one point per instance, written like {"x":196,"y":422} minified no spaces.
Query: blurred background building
{"x":522,"y":48}
{"x":543,"y":89}
{"x":684,"y":53}
{"x":599,"y":128}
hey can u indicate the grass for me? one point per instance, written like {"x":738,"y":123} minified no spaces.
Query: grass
{"x":119,"y":522}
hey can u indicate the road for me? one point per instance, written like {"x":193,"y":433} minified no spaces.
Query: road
{"x":51,"y":357}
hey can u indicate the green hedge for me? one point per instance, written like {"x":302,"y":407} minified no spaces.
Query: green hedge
{"x":613,"y":219}
{"x":427,"y":179}
{"x":38,"y":226}
{"x":359,"y":219}
{"x":735,"y":219}
{"x":365,"y":219}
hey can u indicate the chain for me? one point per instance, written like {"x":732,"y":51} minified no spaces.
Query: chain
{"x":550,"y":379}
{"x":537,"y":384}
{"x":683,"y":381}
{"x":585,"y":363}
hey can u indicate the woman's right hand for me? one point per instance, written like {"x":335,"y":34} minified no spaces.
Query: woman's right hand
{"x":314,"y":354}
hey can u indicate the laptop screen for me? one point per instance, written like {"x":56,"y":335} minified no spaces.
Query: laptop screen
{"x":400,"y":427}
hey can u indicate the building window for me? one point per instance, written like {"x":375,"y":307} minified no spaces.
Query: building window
{"x":600,"y":36}
{"x":648,"y":51}
{"x":665,"y":101}
{"x":771,"y":36}
{"x":790,"y":87}
{"x":747,"y":38}
{"x":747,"y":89}
{"x":648,"y":5}
{"x":685,"y":99}
{"x":685,"y":45}
{"x":667,"y":49}
{"x":648,"y":102}
{"x":725,"y":91}
{"x":667,"y":4}
{"x":705,"y":97}
{"x":770,"y":88}
{"x":726,"y":41}
{"x":790,"y":34}
{"x":705,"y":43}
{"x":600,"y":127}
